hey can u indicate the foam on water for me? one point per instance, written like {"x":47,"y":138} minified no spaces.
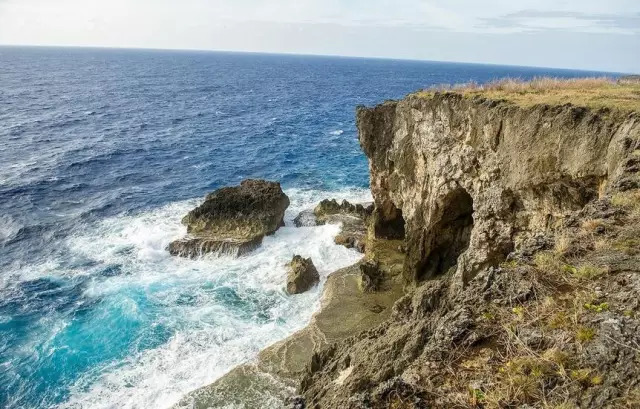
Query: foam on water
{"x":9,"y":228}
{"x":210,"y":314}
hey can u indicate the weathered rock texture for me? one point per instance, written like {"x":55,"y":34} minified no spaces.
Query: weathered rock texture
{"x":460,"y":178}
{"x":353,"y":218}
{"x":557,"y":326}
{"x":233,"y":220}
{"x":470,"y":183}
{"x":301,"y":275}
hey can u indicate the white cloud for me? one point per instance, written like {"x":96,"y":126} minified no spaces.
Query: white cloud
{"x":260,"y":25}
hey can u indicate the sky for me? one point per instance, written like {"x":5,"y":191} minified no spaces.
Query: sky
{"x":583,"y":34}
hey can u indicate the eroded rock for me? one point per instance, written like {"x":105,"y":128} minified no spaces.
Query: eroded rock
{"x":352,"y":217}
{"x":460,"y":178}
{"x":233,"y":220}
{"x":371,"y":277}
{"x":331,"y":207}
{"x":302,"y":275}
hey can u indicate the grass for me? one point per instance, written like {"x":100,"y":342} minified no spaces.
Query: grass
{"x":588,"y":272}
{"x":629,"y":200}
{"x":602,"y":92}
{"x":585,"y":334}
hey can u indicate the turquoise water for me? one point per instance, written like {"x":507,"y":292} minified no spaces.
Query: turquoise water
{"x":103,"y":152}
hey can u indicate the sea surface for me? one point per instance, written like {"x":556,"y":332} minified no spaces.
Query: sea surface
{"x":101,"y":154}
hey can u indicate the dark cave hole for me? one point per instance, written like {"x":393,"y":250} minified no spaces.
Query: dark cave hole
{"x":451,"y":235}
{"x":388,"y":223}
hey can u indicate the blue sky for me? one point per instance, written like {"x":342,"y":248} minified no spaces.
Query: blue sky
{"x":603,"y":35}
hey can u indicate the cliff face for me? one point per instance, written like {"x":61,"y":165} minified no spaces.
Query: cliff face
{"x":463,"y":179}
{"x":522,"y":256}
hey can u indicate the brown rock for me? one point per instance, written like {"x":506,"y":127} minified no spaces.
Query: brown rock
{"x":233,"y":220}
{"x":302,"y":275}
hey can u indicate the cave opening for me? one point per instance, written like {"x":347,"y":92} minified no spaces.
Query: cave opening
{"x":451,"y":235}
{"x":388,"y":222}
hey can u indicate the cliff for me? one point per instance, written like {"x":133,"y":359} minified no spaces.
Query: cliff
{"x":520,"y":220}
{"x":467,"y":176}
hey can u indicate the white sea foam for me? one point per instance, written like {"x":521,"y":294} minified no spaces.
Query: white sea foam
{"x":337,"y":132}
{"x":209,"y":337}
{"x":9,"y":228}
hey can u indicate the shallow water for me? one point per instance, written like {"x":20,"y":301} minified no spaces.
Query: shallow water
{"x":104,"y":151}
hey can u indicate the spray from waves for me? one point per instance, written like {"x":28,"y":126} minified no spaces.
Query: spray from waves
{"x":215,"y":312}
{"x":9,"y":228}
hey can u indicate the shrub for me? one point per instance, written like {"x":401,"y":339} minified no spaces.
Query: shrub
{"x":589,"y":272}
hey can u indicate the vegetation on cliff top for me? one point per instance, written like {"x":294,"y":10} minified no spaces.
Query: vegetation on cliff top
{"x":622,"y":94}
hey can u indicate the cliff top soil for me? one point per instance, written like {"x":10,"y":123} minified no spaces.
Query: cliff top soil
{"x":622,"y":94}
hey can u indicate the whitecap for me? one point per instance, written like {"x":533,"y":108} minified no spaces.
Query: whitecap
{"x":209,"y":338}
{"x":9,"y":228}
{"x":337,"y":132}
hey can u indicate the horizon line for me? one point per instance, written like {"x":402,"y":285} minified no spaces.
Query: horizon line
{"x":295,"y":54}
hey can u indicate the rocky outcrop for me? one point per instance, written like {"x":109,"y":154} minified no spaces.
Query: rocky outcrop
{"x":233,"y":220}
{"x":301,"y":275}
{"x":327,"y":208}
{"x":557,"y":324}
{"x":520,"y":227}
{"x":371,"y":277}
{"x":353,"y":218}
{"x":460,"y":178}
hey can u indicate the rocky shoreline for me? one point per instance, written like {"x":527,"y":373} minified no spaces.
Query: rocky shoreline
{"x":501,"y":267}
{"x":345,"y":310}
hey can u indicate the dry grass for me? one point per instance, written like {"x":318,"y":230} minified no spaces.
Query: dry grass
{"x":591,"y":92}
{"x":629,"y":201}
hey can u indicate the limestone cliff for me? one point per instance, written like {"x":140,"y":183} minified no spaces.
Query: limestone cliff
{"x":464,"y":177}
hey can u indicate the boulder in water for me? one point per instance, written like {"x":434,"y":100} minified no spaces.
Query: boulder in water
{"x":352,"y":217}
{"x":302,"y":275}
{"x":233,"y":220}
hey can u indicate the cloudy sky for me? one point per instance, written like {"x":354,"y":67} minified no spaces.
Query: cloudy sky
{"x":589,"y":34}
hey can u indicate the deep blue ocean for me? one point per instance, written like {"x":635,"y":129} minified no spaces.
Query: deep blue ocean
{"x":103,"y":151}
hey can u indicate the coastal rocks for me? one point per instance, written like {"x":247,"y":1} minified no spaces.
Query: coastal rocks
{"x":331,"y":207}
{"x":461,"y":178}
{"x":323,"y":212}
{"x":233,"y":220}
{"x":302,"y":275}
{"x":371,"y":277}
{"x":352,"y":217}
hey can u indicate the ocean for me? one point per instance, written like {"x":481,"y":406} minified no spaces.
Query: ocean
{"x":103,"y":151}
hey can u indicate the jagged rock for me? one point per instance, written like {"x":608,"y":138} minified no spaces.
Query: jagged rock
{"x":302,"y":275}
{"x":322,"y":213}
{"x":196,"y":246}
{"x":352,"y":217}
{"x":331,"y":207}
{"x":460,"y":178}
{"x":233,"y":220}
{"x":371,"y":277}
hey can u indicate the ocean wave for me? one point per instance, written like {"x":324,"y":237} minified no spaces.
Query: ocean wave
{"x":337,"y":132}
{"x":9,"y":229}
{"x":220,"y":312}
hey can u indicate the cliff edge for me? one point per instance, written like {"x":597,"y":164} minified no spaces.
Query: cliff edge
{"x":519,"y":208}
